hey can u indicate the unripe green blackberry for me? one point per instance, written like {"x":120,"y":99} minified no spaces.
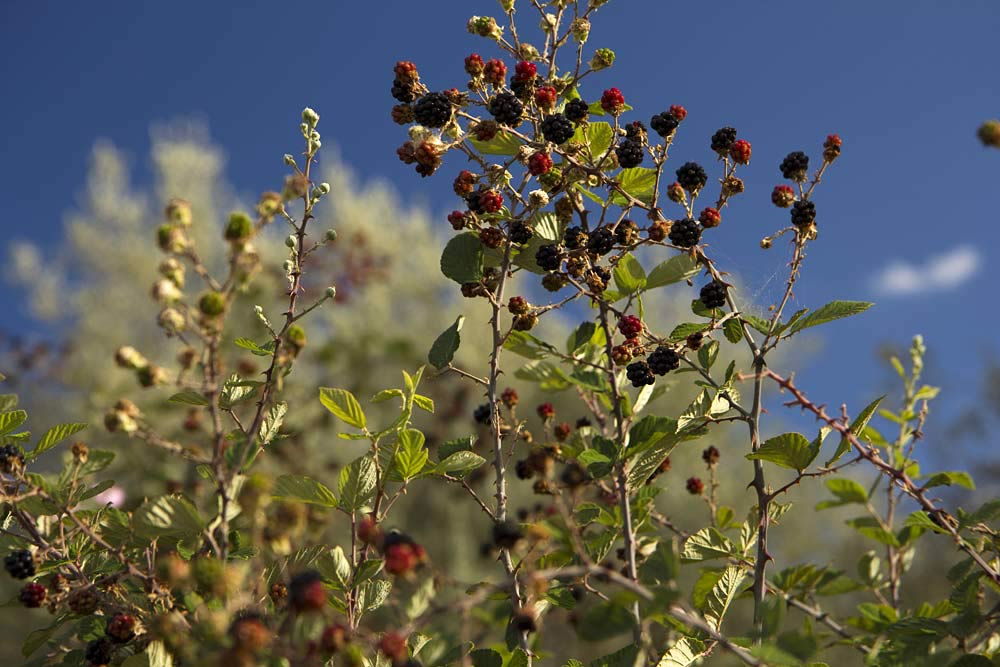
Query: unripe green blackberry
{"x":692,"y":177}
{"x":557,"y":128}
{"x":19,"y":564}
{"x":713,"y":295}
{"x":506,"y":109}
{"x":576,"y":110}
{"x":432,"y":110}
{"x":549,"y":257}
{"x":212,"y":304}
{"x":662,"y":360}
{"x":170,"y":238}
{"x":685,"y":233}
{"x":795,"y":166}
{"x":630,"y":153}
{"x":803,"y":213}
{"x":602,"y":59}
{"x":296,"y":186}
{"x":239,"y":228}
{"x":675,"y":193}
{"x":639,"y":374}
{"x":723,"y":140}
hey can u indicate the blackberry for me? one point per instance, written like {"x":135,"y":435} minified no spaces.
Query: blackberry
{"x":482,"y":414}
{"x":99,"y":652}
{"x":576,"y":238}
{"x":549,"y":257}
{"x":121,"y":628}
{"x":432,"y":110}
{"x":518,"y":232}
{"x":710,"y":455}
{"x":11,"y":459}
{"x":506,"y":109}
{"x":20,"y":564}
{"x":685,"y":233}
{"x":506,"y":534}
{"x":601,"y":241}
{"x":713,"y":295}
{"x":639,"y":374}
{"x":523,"y":470}
{"x":794,"y":166}
{"x":635,"y":130}
{"x":32,"y":595}
{"x":629,"y":153}
{"x":524,"y":89}
{"x":695,"y":486}
{"x":577,"y":110}
{"x":574,"y":475}
{"x":803,"y":213}
{"x":663,"y":360}
{"x":553,"y":282}
{"x":491,"y":237}
{"x":306,"y":591}
{"x":664,"y":123}
{"x":723,"y":140}
{"x":404,"y":91}
{"x":692,"y":176}
{"x":626,"y":232}
{"x":598,"y":278}
{"x":557,"y":128}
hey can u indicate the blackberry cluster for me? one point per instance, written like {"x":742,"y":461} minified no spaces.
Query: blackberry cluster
{"x":99,"y":652}
{"x":557,"y":128}
{"x":11,"y":459}
{"x":19,"y":564}
{"x":506,"y":534}
{"x":635,"y":130}
{"x":691,"y":176}
{"x":432,"y":110}
{"x":120,"y":629}
{"x":626,"y":232}
{"x":663,"y":360}
{"x":482,"y":414}
{"x":685,"y":233}
{"x":32,"y":595}
{"x":548,"y":257}
{"x":629,"y":153}
{"x":523,"y":88}
{"x":404,"y":90}
{"x":723,"y":140}
{"x":803,"y":213}
{"x":639,"y":374}
{"x":506,"y":109}
{"x":576,"y":238}
{"x":664,"y":123}
{"x":713,"y":295}
{"x":601,"y":241}
{"x":795,"y":166}
{"x":519,"y":232}
{"x":577,"y":110}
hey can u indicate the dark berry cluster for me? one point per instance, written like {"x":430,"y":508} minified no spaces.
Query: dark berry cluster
{"x":629,"y":153}
{"x":557,"y":128}
{"x":723,"y":140}
{"x":803,"y":213}
{"x":519,"y":232}
{"x":506,"y":109}
{"x":795,"y":166}
{"x":577,"y":110}
{"x":636,"y":130}
{"x":713,"y":295}
{"x":548,"y":257}
{"x":19,"y":564}
{"x":506,"y":534}
{"x":639,"y":374}
{"x":576,"y":238}
{"x":32,"y":595}
{"x":482,"y":414}
{"x":404,"y":90}
{"x":685,"y":233}
{"x":692,"y":176}
{"x":664,"y":123}
{"x":11,"y":459}
{"x":601,"y":241}
{"x":99,"y":651}
{"x":484,"y":201}
{"x":432,"y":110}
{"x":662,"y":360}
{"x":630,"y":326}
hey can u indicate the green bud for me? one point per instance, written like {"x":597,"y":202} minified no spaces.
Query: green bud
{"x":507,"y":5}
{"x":166,"y":291}
{"x":151,"y":376}
{"x":290,"y":241}
{"x":324,"y":188}
{"x":171,"y":320}
{"x":212,"y":304}
{"x":485,"y":26}
{"x":170,"y":238}
{"x":239,"y":228}
{"x":289,"y":160}
{"x":603,"y":59}
{"x":331,"y":292}
{"x":178,"y":212}
{"x":331,"y":235}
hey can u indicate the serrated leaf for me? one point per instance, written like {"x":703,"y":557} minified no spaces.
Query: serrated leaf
{"x":706,"y":544}
{"x":869,"y":527}
{"x":684,"y":652}
{"x":677,"y":268}
{"x":682,"y":331}
{"x":460,"y":463}
{"x":722,"y":595}
{"x":236,"y":390}
{"x":733,"y":331}
{"x":189,"y":397}
{"x":847,"y":491}
{"x":950,"y":478}
{"x":629,"y":275}
{"x":444,"y":347}
{"x":462,"y":258}
{"x":834,"y":310}
{"x":789,"y":450}
{"x":11,"y":420}
{"x":265,"y":350}
{"x":525,"y":345}
{"x":504,"y":143}
{"x":857,"y":426}
{"x":304,"y":489}
{"x":271,"y":424}
{"x":357,"y":483}
{"x":637,"y":182}
{"x":343,"y":404}
{"x":411,"y":455}
{"x":582,"y":335}
{"x":55,"y":435}
{"x":549,"y":376}
{"x":425,"y":403}
{"x":168,"y":516}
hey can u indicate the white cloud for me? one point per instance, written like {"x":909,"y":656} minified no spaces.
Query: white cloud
{"x":939,"y":272}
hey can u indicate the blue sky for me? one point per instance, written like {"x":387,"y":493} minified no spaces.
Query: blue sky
{"x":905,"y":84}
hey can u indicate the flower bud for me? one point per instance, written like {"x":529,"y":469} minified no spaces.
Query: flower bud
{"x":538,"y":198}
{"x":270,"y":203}
{"x":173,"y":271}
{"x":165,"y":291}
{"x":310,"y":117}
{"x":170,"y":238}
{"x":212,"y":304}
{"x":171,"y":320}
{"x":291,"y":241}
{"x":581,"y":30}
{"x":239,"y":228}
{"x":178,"y":212}
{"x":331,"y":235}
{"x":128,"y":357}
{"x":331,"y":292}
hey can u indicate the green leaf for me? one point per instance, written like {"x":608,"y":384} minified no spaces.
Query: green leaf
{"x":684,"y":652}
{"x":444,"y":347}
{"x":411,"y":455}
{"x":733,"y":330}
{"x":357,"y":483}
{"x":271,"y":424}
{"x":682,"y":331}
{"x":486,"y":657}
{"x":425,"y":403}
{"x":708,"y":353}
{"x":189,"y":397}
{"x":460,"y":463}
{"x":304,"y":489}
{"x":462,"y":259}
{"x":265,"y":350}
{"x":39,"y":638}
{"x":167,"y":516}
{"x":673,"y":270}
{"x":343,"y":404}
{"x":637,"y":182}
{"x":504,"y":143}
{"x":722,"y":595}
{"x":869,"y":527}
{"x":549,"y":376}
{"x":583,"y":334}
{"x":236,"y":390}
{"x":598,"y":136}
{"x":847,"y":491}
{"x":857,"y":426}
{"x":789,"y":450}
{"x":55,"y":435}
{"x":950,"y":478}
{"x":11,"y":420}
{"x":629,"y":274}
{"x":706,"y":544}
{"x":834,"y":310}
{"x":8,"y":402}
{"x":525,"y":345}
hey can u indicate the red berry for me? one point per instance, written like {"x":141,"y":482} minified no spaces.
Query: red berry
{"x":709,"y":217}
{"x":525,"y":71}
{"x":539,"y":163}
{"x":491,"y":201}
{"x":740,"y":151}
{"x":400,"y":559}
{"x":675,"y":192}
{"x":457,"y":220}
{"x":485,"y":130}
{"x":678,"y":112}
{"x":562,"y":431}
{"x":32,"y":595}
{"x":612,"y":101}
{"x":393,"y":646}
{"x":306,"y":591}
{"x":630,"y":326}
{"x":545,"y":98}
{"x":121,"y":628}
{"x":782,"y":196}
{"x":518,"y":305}
{"x":464,"y":183}
{"x":509,"y":397}
{"x":474,"y":65}
{"x":832,"y":140}
{"x":831,"y":147}
{"x":695,"y":486}
{"x":546,"y":411}
{"x":249,"y":633}
{"x":495,"y":72}
{"x":407,"y":153}
{"x":368,"y":530}
{"x":334,"y":638}
{"x":405,"y":70}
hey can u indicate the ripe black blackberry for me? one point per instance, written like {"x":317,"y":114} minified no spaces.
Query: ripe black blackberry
{"x":404,"y":91}
{"x":523,"y":470}
{"x":548,"y":257}
{"x":626,"y":232}
{"x":482,"y":414}
{"x":506,"y":109}
{"x":519,"y":232}
{"x":99,"y":652}
{"x":723,"y":140}
{"x":557,"y":128}
{"x":576,"y":238}
{"x":685,"y":233}
{"x":795,"y":166}
{"x":523,"y":88}
{"x":713,"y":295}
{"x":664,"y":123}
{"x":629,"y":153}
{"x":577,"y":110}
{"x":635,"y":130}
{"x":601,"y":241}
{"x":662,"y":360}
{"x":692,"y":176}
{"x":639,"y":374}
{"x":506,"y":534}
{"x":11,"y":459}
{"x":19,"y":564}
{"x":432,"y":110}
{"x":803,"y":213}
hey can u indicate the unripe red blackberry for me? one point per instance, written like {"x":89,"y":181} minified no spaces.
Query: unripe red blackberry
{"x":457,"y":220}
{"x":307,"y":592}
{"x":485,"y":130}
{"x":495,"y":72}
{"x":474,"y":65}
{"x":518,"y":232}
{"x":557,"y":128}
{"x":393,"y":646}
{"x":525,"y":322}
{"x":491,"y":237}
{"x":334,"y":638}
{"x":562,"y":431}
{"x":664,"y":123}
{"x":639,"y":374}
{"x":740,"y":152}
{"x":400,"y":558}
{"x":405,"y":71}
{"x":509,"y":397}
{"x":120,"y":628}
{"x":782,"y":196}
{"x":539,"y":163}
{"x":402,"y":114}
{"x":630,"y":153}
{"x":525,"y":70}
{"x":713,"y":295}
{"x":546,"y":97}
{"x":723,"y":140}
{"x":803,"y":213}
{"x":831,"y":147}
{"x":278,"y":594}
{"x":710,"y":455}
{"x":368,"y":530}
{"x":19,"y":564}
{"x":249,"y":633}
{"x":483,"y":414}
{"x":621,"y":354}
{"x":626,"y":232}
{"x":546,"y":411}
{"x":709,"y":217}
{"x":464,"y":183}
{"x":657,"y":231}
{"x":601,"y":241}
{"x":692,"y":177}
{"x":407,"y":153}
{"x":685,"y":233}
{"x":630,"y":326}
{"x":549,"y":257}
{"x":506,"y":534}
{"x":518,"y":305}
{"x":432,"y":110}
{"x":675,"y":192}
{"x":612,"y":101}
{"x":32,"y":595}
{"x":577,"y":110}
{"x":678,"y":112}
{"x":99,"y":652}
{"x":663,"y":360}
{"x":795,"y":166}
{"x":506,"y":109}
{"x":695,"y":486}
{"x":484,"y":201}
